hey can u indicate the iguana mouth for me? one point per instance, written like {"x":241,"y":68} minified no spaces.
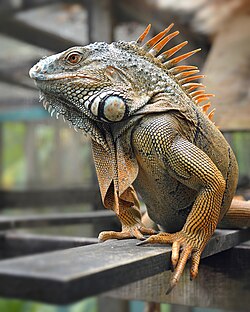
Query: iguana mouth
{"x":63,"y":76}
{"x":70,"y":76}
{"x":40,"y":73}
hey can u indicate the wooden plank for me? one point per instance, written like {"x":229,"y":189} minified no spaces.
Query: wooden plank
{"x":45,"y":197}
{"x":11,"y":77}
{"x":16,"y":244}
{"x":223,"y":283}
{"x":14,"y":71}
{"x":68,"y":275}
{"x":64,"y":22}
{"x":58,"y":219}
{"x":32,"y":35}
{"x":9,"y":6}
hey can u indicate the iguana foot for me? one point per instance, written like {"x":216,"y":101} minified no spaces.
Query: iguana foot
{"x":183,"y":247}
{"x":136,"y":231}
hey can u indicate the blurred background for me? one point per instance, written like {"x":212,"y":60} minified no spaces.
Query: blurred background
{"x":46,"y":167}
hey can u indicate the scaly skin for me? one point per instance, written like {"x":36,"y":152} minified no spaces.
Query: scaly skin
{"x":148,"y":133}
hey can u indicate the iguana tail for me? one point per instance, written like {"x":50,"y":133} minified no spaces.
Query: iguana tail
{"x":238,"y":215}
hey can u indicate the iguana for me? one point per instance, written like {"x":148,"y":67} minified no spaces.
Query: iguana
{"x":149,"y":134}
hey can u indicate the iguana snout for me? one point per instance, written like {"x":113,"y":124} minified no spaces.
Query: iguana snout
{"x":45,"y":68}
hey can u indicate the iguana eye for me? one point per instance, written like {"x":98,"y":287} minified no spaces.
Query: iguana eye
{"x":74,"y":58}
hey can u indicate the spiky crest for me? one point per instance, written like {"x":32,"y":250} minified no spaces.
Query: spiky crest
{"x":152,"y":42}
{"x":198,"y":92}
{"x":187,"y":73}
{"x":178,"y":69}
{"x":143,"y":35}
{"x":206,"y":106}
{"x":165,"y":55}
{"x":156,"y":49}
{"x":183,"y":74}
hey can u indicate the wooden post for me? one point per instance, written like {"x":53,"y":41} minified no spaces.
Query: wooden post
{"x":100,"y":20}
{"x":227,"y":74}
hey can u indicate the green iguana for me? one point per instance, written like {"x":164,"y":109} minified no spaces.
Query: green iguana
{"x":150,"y":134}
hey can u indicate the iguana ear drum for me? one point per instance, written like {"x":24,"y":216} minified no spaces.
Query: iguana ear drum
{"x":111,"y":108}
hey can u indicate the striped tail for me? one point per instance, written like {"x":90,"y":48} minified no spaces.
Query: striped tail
{"x":238,"y":215}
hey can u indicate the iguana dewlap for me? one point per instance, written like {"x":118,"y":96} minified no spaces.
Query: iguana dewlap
{"x":149,"y":134}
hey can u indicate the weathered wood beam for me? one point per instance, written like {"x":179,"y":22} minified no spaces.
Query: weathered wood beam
{"x":8,"y":6}
{"x":16,"y":244}
{"x":5,"y":77}
{"x":66,"y":276}
{"x":26,"y":32}
{"x":17,"y":74}
{"x":222,"y":283}
{"x":58,"y":219}
{"x":39,"y":198}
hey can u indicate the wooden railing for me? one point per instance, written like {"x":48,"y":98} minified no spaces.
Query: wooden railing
{"x":64,"y":270}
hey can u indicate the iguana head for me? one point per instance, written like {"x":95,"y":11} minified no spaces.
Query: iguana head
{"x":107,"y":83}
{"x":98,"y":80}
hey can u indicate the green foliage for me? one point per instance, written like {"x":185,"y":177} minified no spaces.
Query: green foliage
{"x":12,"y":305}
{"x":40,"y":154}
{"x":13,"y":151}
{"x":165,"y":307}
{"x":241,"y":146}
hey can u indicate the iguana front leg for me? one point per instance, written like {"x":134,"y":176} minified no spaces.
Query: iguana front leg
{"x":194,"y":168}
{"x":131,"y":227}
{"x":130,"y":218}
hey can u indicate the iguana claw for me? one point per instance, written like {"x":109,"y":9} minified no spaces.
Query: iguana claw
{"x":136,"y":231}
{"x":182,"y":249}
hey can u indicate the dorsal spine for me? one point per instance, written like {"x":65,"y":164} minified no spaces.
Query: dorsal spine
{"x":184,"y":75}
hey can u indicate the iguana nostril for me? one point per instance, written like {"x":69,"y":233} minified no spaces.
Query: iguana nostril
{"x":36,"y":70}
